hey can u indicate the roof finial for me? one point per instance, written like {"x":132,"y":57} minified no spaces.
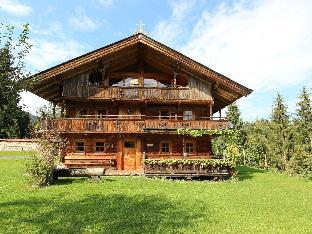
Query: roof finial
{"x":140,"y":28}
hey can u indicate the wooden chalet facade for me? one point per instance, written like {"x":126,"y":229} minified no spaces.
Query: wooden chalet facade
{"x":123,"y":103}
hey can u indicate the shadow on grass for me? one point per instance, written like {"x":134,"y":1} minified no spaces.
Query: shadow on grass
{"x":72,"y":180}
{"x":246,"y":173}
{"x":96,"y":213}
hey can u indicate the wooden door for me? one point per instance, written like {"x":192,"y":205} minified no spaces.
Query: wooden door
{"x":129,"y":154}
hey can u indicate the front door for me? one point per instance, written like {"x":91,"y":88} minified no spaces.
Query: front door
{"x":129,"y":154}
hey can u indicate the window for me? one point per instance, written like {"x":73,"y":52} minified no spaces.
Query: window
{"x":129,"y":144}
{"x":80,"y":147}
{"x":101,"y":113}
{"x":164,"y":114}
{"x":164,"y":147}
{"x":95,"y":78}
{"x":99,"y":147}
{"x":187,"y":115}
{"x":189,"y":147}
{"x":83,"y":112}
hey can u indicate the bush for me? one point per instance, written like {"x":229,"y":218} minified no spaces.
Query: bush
{"x":39,"y":167}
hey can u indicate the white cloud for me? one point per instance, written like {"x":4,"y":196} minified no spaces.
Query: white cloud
{"x":14,"y":7}
{"x":80,"y":21}
{"x":105,"y":3}
{"x":32,"y":103}
{"x":263,"y":45}
{"x":45,"y":54}
{"x":167,"y":31}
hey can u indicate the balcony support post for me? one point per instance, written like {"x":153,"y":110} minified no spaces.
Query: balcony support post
{"x":210,"y":111}
{"x":53,"y":110}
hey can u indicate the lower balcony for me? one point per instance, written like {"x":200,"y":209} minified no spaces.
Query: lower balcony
{"x":100,"y":125}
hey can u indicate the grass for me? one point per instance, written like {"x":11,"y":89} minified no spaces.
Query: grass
{"x":259,"y":202}
{"x":15,"y":153}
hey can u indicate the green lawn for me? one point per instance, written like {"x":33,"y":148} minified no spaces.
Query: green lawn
{"x":260,"y":202}
{"x":15,"y":153}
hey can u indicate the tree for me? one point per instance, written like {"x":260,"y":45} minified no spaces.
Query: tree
{"x":234,"y":116}
{"x":280,"y":143}
{"x":13,"y":121}
{"x":257,"y":143}
{"x":303,"y":120}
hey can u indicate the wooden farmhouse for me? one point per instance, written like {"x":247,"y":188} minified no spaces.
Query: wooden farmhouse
{"x":123,"y":104}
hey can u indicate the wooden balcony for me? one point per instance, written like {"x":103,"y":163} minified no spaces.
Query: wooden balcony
{"x":100,"y":125}
{"x":141,"y":94}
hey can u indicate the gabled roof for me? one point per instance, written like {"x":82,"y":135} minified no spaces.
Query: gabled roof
{"x":225,"y":89}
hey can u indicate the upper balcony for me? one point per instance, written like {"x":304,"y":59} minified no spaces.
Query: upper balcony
{"x":133,"y":125}
{"x":135,"y":89}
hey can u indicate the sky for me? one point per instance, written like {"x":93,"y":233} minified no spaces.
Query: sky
{"x":265,"y":45}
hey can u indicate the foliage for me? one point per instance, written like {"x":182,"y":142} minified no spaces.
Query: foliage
{"x":196,"y":162}
{"x":237,"y":139}
{"x":139,"y":205}
{"x":14,"y":122}
{"x":301,"y":163}
{"x":232,"y":153}
{"x":257,"y":144}
{"x":41,"y":164}
{"x":201,"y":132}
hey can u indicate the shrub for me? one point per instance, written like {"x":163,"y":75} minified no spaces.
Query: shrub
{"x":39,"y":167}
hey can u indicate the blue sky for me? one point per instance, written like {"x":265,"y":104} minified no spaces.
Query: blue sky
{"x":265,"y":45}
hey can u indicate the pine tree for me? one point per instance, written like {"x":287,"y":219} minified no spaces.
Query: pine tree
{"x":280,"y":142}
{"x":303,"y":120}
{"x":234,"y":116}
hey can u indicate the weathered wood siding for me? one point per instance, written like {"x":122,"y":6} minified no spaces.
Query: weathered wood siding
{"x":201,"y":88}
{"x":77,"y":86}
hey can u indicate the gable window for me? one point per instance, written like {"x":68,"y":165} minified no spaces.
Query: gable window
{"x":189,"y":147}
{"x":99,"y":146}
{"x":164,"y":147}
{"x":80,"y":147}
{"x":187,"y":115}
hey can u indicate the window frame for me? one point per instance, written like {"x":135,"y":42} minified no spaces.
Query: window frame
{"x":185,"y":147}
{"x":76,"y":146}
{"x":187,"y":119}
{"x":169,"y":147}
{"x":104,"y":146}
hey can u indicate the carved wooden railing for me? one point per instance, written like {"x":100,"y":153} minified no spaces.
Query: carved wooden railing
{"x":85,"y":125}
{"x":142,"y":93}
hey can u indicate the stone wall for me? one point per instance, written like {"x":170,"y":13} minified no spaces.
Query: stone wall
{"x":18,"y":144}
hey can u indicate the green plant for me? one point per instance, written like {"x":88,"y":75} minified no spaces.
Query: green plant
{"x":201,"y":132}
{"x":40,"y":165}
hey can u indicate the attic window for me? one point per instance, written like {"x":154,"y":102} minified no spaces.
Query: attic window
{"x":95,"y":78}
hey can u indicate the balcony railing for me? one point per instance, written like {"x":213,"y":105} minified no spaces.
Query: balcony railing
{"x":140,"y":93}
{"x":100,"y":125}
